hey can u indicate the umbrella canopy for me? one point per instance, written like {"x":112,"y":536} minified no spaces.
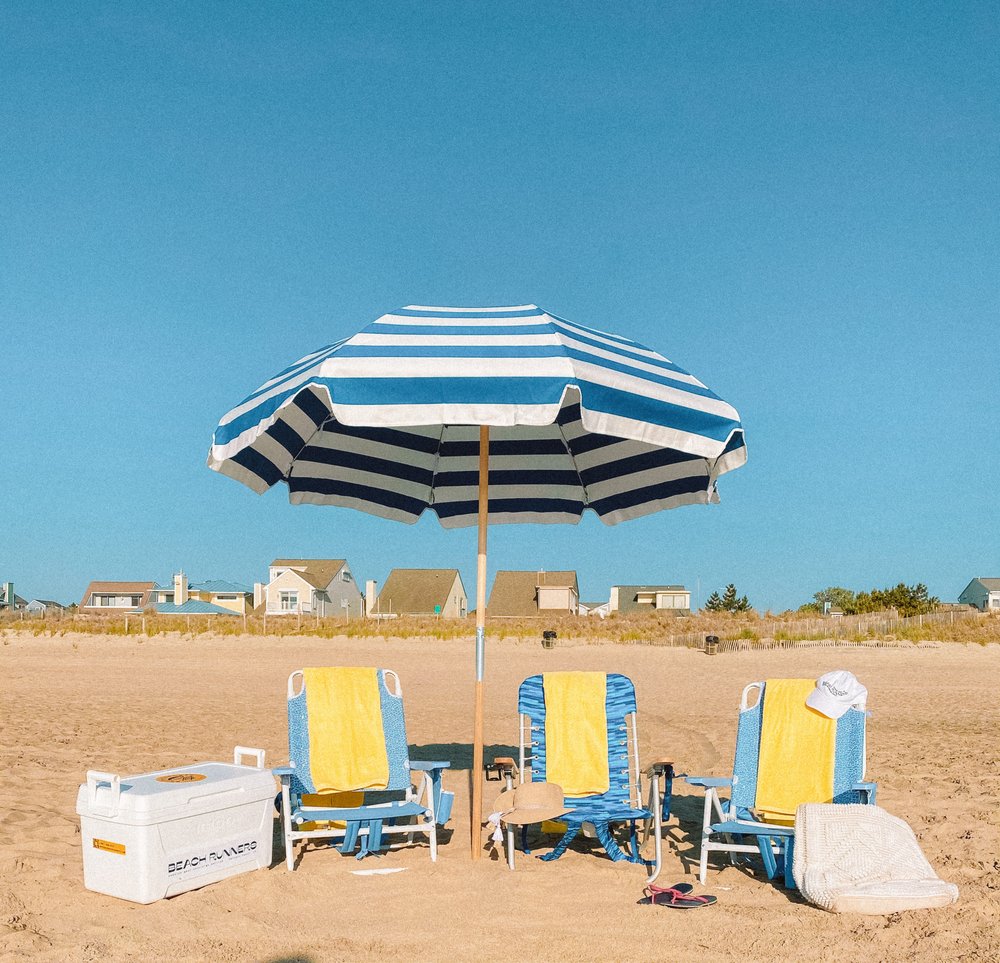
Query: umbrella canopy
{"x":387,"y":422}
{"x":484,"y":415}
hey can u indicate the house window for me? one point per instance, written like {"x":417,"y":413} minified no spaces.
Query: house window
{"x":288,"y":601}
{"x":226,"y":598}
{"x":115,"y":601}
{"x":995,"y":603}
{"x":345,"y":576}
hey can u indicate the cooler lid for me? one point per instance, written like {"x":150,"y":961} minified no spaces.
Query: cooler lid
{"x":172,"y":793}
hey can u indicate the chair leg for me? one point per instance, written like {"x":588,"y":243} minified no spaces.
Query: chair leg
{"x":286,"y":824}
{"x":789,"y":860}
{"x":706,"y":836}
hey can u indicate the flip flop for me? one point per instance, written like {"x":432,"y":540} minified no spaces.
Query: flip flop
{"x":676,"y":897}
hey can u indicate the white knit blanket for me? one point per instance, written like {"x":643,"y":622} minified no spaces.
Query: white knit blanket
{"x":861,"y":859}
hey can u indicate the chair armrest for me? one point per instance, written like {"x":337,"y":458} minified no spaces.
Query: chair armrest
{"x":659,"y":766}
{"x":708,"y":781}
{"x":282,"y":771}
{"x":423,"y":766}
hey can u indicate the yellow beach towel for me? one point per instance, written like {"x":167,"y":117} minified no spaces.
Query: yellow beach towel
{"x":576,"y":732}
{"x":797,"y":746}
{"x":346,"y":739}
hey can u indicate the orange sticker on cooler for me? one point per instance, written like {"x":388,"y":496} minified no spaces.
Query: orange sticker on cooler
{"x":109,"y":847}
{"x":182,"y":777}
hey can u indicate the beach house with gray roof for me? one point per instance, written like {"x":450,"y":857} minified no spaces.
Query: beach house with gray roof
{"x":983,"y":593}
{"x":650,"y":598}
{"x":314,"y":586}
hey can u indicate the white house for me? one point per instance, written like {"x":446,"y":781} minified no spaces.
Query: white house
{"x":314,"y":586}
{"x":983,"y":593}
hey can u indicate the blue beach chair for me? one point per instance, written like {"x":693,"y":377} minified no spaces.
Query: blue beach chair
{"x":622,"y":803}
{"x":740,"y":823}
{"x":406,"y":798}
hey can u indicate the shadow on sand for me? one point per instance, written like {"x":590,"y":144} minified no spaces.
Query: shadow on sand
{"x":459,"y":754}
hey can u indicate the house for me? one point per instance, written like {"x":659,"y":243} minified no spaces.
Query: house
{"x":103,"y":597}
{"x":8,"y":598}
{"x":45,"y":607}
{"x":526,"y":594}
{"x":600,"y":609}
{"x":318,"y":586}
{"x":422,"y":591}
{"x":648,"y":598}
{"x":228,"y":597}
{"x":983,"y":593}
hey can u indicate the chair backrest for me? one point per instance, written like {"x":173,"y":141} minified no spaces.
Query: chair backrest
{"x":849,"y":752}
{"x":623,"y":758}
{"x":393,"y":725}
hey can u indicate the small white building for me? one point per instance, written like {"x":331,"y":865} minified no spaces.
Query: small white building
{"x":983,"y":593}
{"x":314,"y":586}
{"x":45,"y":607}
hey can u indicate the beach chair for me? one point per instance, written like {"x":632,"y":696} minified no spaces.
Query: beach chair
{"x":786,"y":754}
{"x":578,"y":729}
{"x":350,"y":777}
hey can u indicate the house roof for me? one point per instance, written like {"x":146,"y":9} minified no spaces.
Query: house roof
{"x":318,"y":572}
{"x":650,"y":588}
{"x":119,"y":588}
{"x":221,"y":586}
{"x":214,"y":586}
{"x":991,"y":584}
{"x":191,"y":607}
{"x":515,"y":593}
{"x":415,"y":591}
{"x":48,"y":602}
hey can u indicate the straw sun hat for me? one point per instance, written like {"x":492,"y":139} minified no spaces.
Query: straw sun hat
{"x":531,"y":802}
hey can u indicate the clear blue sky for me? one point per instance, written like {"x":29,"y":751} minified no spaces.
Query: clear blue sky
{"x":799,"y":202}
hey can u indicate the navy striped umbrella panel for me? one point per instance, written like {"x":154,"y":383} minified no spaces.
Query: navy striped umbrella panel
{"x":388,"y":420}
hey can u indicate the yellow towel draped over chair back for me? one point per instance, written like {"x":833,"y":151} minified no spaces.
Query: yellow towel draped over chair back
{"x":346,"y":740}
{"x":576,"y":732}
{"x":797,"y":749}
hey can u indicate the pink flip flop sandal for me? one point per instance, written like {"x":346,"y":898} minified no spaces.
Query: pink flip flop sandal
{"x":677,"y":896}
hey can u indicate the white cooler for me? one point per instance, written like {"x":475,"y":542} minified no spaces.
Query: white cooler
{"x":163,"y":833}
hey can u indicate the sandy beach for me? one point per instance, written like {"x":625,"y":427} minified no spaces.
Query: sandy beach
{"x":130,"y":705}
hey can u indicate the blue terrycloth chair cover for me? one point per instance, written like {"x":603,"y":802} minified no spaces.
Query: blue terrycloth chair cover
{"x":615,"y":805}
{"x":848,"y":763}
{"x":848,"y":773}
{"x":393,"y":726}
{"x":397,"y":751}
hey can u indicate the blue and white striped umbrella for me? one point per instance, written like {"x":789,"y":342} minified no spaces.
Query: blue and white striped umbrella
{"x":401,"y":417}
{"x":388,"y":420}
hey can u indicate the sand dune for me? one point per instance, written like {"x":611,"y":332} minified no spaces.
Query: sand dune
{"x":77,"y":702}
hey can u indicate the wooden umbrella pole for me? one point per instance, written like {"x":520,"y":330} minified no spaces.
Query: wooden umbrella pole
{"x":476,"y":814}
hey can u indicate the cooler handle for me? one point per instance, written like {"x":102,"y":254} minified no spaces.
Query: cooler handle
{"x":94,"y":780}
{"x":241,"y":751}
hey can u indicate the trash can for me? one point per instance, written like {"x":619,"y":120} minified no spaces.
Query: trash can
{"x":711,"y":644}
{"x":548,"y":639}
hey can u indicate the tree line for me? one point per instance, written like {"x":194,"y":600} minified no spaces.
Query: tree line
{"x":908,"y":600}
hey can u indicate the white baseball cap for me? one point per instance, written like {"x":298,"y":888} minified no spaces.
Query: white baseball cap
{"x":836,"y":692}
